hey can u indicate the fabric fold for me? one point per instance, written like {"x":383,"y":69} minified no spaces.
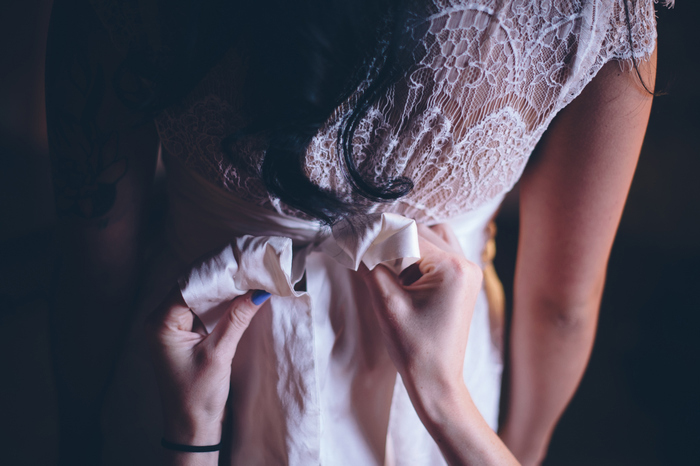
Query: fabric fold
{"x":270,"y":263}
{"x":373,"y":239}
{"x":249,"y":263}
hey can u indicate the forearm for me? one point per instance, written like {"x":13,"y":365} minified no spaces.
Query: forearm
{"x":550,"y":347}
{"x":457,"y":427}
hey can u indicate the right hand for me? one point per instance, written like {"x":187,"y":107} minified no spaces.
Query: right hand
{"x":425,"y":312}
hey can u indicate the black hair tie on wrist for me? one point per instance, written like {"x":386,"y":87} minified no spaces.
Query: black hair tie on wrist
{"x":189,"y":448}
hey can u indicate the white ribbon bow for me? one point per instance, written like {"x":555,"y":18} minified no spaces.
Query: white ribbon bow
{"x":270,"y":263}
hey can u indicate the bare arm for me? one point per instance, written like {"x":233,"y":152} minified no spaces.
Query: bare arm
{"x":571,"y":203}
{"x":424,"y":315}
{"x":102,"y":166}
{"x":454,"y":422}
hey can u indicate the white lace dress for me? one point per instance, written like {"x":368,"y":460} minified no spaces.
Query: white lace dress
{"x":312,"y":383}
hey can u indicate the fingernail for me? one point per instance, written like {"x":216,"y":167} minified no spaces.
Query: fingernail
{"x":259,"y":297}
{"x":410,"y":275}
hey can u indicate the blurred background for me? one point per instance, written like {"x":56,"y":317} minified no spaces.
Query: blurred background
{"x":639,"y":401}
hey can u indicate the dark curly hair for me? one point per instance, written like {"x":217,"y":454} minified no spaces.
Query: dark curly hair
{"x":306,"y":57}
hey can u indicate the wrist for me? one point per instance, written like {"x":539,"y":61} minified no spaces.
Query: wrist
{"x":437,"y":400}
{"x":188,"y":431}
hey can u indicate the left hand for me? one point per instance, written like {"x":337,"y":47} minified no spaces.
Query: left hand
{"x":193,"y":368}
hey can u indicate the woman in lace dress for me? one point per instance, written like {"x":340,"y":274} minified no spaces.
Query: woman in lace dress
{"x":288,"y":184}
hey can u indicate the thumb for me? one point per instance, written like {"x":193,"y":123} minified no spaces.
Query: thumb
{"x":383,"y":281}
{"x":230,"y":328}
{"x":172,"y":314}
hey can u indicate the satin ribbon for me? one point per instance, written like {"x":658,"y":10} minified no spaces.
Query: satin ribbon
{"x":270,"y":263}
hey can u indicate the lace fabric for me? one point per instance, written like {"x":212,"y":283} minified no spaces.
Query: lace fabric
{"x":461,"y":123}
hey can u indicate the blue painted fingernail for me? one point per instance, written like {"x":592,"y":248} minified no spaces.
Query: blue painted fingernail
{"x":259,"y":297}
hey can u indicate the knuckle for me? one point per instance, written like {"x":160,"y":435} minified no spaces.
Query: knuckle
{"x":456,"y":265}
{"x":471,"y":270}
{"x":464,"y":269}
{"x":240,"y":316}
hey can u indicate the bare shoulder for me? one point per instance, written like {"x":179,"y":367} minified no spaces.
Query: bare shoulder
{"x":620,"y":87}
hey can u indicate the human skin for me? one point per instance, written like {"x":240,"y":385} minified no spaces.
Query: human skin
{"x":571,"y":200}
{"x":193,"y":371}
{"x":424,"y":326}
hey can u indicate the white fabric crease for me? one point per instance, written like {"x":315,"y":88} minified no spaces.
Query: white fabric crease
{"x":266,"y":262}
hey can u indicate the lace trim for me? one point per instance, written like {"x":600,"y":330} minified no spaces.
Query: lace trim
{"x":461,"y":124}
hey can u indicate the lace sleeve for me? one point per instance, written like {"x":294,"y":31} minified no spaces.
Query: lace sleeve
{"x":635,"y":38}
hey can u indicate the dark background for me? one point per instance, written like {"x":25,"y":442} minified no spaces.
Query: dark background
{"x":639,"y":402}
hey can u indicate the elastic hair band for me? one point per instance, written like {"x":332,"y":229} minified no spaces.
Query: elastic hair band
{"x":189,"y":448}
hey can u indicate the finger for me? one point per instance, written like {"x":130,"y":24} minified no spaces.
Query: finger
{"x":445,"y":231}
{"x":433,"y":259}
{"x":172,"y":314}
{"x":440,"y":229}
{"x":230,"y":328}
{"x":384,"y":283}
{"x":428,"y":248}
{"x":426,"y":232}
{"x":386,"y":292}
{"x":438,"y":266}
{"x":382,"y":279}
